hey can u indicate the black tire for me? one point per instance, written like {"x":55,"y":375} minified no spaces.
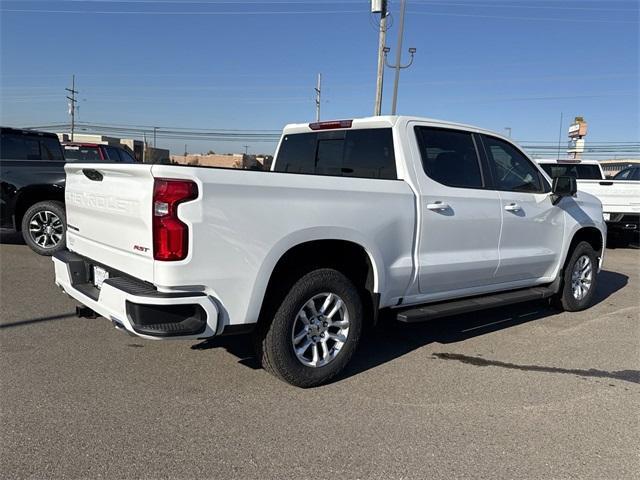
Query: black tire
{"x":51,"y":214}
{"x":565,"y":298}
{"x":274,"y":344}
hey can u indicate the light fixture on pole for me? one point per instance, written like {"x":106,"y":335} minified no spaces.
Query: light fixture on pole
{"x":398,"y":65}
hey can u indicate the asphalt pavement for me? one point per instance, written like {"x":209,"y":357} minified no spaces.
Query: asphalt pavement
{"x":519,"y":392}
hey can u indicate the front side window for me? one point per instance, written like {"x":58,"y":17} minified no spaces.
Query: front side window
{"x":126,"y":157}
{"x":449,"y":157}
{"x":631,"y":173}
{"x":112,"y":154}
{"x":511,"y":169}
{"x":363,"y":153}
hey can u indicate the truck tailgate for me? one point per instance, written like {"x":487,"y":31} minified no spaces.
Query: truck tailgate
{"x":617,"y":196}
{"x":109,"y":214}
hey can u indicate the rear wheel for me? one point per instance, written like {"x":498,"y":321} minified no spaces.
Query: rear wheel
{"x":315,"y":330}
{"x":44,"y":227}
{"x":578,"y":280}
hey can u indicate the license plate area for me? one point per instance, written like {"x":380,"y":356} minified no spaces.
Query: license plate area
{"x":99,"y":276}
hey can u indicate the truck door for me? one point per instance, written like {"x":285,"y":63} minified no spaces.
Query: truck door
{"x":532,"y":227}
{"x":459,"y":215}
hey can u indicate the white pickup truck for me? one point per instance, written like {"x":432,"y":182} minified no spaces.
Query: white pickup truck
{"x":418,"y":217}
{"x":620,"y":196}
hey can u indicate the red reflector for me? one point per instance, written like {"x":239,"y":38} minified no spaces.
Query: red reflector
{"x":170,"y":235}
{"x":331,"y":124}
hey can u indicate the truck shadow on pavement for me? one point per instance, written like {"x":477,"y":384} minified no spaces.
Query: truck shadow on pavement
{"x":390,"y":340}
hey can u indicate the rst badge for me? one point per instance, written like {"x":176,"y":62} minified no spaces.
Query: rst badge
{"x":139,"y":248}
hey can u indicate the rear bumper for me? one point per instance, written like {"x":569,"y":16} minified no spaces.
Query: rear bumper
{"x":136,"y":306}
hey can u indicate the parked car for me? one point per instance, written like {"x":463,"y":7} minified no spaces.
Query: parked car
{"x":96,"y":152}
{"x":620,"y":200}
{"x":418,"y":217}
{"x":32,"y":180}
{"x":32,"y":188}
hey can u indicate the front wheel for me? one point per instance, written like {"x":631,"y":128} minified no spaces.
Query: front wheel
{"x":578,"y":280}
{"x":44,"y":227}
{"x":315,"y":330}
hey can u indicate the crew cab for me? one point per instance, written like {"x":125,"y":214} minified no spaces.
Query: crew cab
{"x":415,"y":217}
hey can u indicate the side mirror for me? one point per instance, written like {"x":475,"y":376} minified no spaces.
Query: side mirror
{"x":563,"y":187}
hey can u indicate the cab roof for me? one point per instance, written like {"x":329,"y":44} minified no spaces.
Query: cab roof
{"x":385,"y":121}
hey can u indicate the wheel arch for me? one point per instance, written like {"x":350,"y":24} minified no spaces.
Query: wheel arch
{"x":31,"y":195}
{"x":347,"y":255}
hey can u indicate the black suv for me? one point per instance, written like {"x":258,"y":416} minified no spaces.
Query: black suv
{"x":32,"y":188}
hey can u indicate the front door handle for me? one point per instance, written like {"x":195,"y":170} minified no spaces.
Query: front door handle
{"x":512,"y":207}
{"x":438,"y":206}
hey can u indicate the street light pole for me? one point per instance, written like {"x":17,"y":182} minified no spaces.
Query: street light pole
{"x":381,"y":57}
{"x":403,"y":6}
{"x":398,"y":65}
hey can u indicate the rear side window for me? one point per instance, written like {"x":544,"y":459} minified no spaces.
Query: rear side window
{"x":581,"y":172}
{"x":20,"y":147}
{"x":449,"y":157}
{"x":50,"y":149}
{"x":511,"y":169}
{"x":365,"y":153}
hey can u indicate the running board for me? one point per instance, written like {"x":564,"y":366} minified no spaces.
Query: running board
{"x":464,"y":305}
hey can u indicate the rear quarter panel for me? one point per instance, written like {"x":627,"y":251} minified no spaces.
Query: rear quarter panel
{"x":244,"y":221}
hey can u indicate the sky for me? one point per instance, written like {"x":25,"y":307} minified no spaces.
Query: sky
{"x":249,"y":65}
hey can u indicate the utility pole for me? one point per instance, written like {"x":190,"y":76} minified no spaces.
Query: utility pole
{"x":72,"y":104}
{"x":380,"y":6}
{"x":398,"y":66}
{"x":246,"y":149}
{"x":508,"y":129}
{"x":154,"y":136}
{"x":318,"y":96}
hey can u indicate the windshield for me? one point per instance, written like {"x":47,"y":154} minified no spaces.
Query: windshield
{"x":578,"y":171}
{"x":81,"y":154}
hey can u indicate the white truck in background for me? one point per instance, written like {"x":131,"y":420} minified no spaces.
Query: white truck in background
{"x":417,"y":217}
{"x":620,"y":196}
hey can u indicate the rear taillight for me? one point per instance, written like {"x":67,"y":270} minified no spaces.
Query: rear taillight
{"x":170,"y":235}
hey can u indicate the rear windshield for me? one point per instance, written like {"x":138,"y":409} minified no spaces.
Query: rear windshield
{"x":581,"y":172}
{"x":30,"y":147}
{"x":365,"y":153}
{"x":82,"y":154}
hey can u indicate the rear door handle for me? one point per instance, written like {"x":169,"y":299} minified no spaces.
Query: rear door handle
{"x":512,"y":207}
{"x":438,"y":206}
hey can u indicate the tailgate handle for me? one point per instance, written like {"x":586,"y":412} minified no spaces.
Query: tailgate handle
{"x":92,"y":174}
